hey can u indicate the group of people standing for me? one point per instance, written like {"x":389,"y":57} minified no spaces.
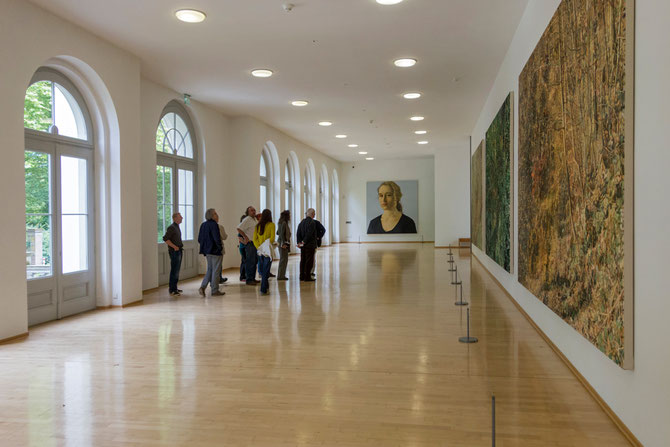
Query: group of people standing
{"x":256,"y":236}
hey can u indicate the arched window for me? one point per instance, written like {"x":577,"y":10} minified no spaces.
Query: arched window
{"x":307,"y":191}
{"x":175,"y":171}
{"x":336,"y":207}
{"x":265,"y":183}
{"x":60,"y":230}
{"x":288,"y":186}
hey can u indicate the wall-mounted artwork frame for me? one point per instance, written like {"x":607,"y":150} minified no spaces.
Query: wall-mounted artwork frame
{"x":477,"y":197}
{"x":576,"y":134}
{"x":499,"y":189}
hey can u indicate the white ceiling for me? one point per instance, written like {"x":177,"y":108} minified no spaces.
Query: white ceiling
{"x":337,"y":54}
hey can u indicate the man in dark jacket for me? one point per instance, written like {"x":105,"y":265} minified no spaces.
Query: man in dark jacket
{"x":211,"y":247}
{"x":175,"y":249}
{"x":306,"y":239}
{"x":320,"y":233}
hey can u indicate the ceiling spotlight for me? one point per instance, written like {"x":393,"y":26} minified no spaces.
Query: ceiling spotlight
{"x":417,"y":118}
{"x":413,"y":95}
{"x":340,"y":136}
{"x":421,"y":132}
{"x":262,"y":73}
{"x":369,"y":158}
{"x":422,"y":142}
{"x":389,"y":2}
{"x":353,"y":145}
{"x":362,"y":153}
{"x":190,"y":15}
{"x":404,"y":62}
{"x":300,"y":103}
{"x":325,"y":123}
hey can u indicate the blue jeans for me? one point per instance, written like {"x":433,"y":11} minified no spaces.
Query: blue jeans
{"x":250,"y":252}
{"x":175,"y":266}
{"x":264,"y":265}
{"x":213,"y":274}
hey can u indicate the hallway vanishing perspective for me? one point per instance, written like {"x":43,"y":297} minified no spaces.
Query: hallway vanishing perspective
{"x":366,"y":356}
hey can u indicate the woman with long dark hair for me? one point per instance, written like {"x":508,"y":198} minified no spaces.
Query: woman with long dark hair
{"x":284,"y":240}
{"x":264,"y":239}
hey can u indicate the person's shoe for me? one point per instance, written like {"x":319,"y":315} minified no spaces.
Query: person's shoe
{"x":175,"y":294}
{"x":309,"y":280}
{"x":180,"y":291}
{"x":218,"y":293}
{"x":201,"y":291}
{"x":265,"y":293}
{"x":272,"y":275}
{"x":283,"y":278}
{"x":243,"y":279}
{"x":223,"y":280}
{"x":253,"y":282}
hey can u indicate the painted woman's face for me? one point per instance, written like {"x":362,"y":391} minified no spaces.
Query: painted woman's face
{"x":386,"y":198}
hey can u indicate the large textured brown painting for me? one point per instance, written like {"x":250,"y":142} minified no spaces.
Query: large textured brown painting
{"x":571,"y":170}
{"x":477,"y":197}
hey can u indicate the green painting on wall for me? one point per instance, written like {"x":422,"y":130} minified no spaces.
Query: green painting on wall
{"x":498,"y":200}
{"x":477,"y":197}
{"x":572,"y":103}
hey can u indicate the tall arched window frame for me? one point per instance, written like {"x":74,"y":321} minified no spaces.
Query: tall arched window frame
{"x":264,"y":182}
{"x":176,"y":171}
{"x":306,"y":189}
{"x":60,"y":223}
{"x":288,"y":186}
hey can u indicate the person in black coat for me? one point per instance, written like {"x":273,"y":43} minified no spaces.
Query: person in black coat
{"x":211,"y":247}
{"x":392,"y":220}
{"x":306,"y":239}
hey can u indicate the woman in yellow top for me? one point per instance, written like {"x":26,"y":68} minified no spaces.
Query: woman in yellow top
{"x":265,"y":231}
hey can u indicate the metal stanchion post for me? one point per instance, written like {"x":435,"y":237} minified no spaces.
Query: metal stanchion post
{"x":468,"y":339}
{"x":461,"y":302}
{"x":493,"y":420}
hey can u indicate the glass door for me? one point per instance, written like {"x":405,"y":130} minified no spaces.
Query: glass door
{"x":59,"y":231}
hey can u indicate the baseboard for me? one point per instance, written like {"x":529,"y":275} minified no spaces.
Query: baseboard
{"x":15,"y":338}
{"x":585,"y":383}
{"x":388,"y":242}
{"x":455,"y":247}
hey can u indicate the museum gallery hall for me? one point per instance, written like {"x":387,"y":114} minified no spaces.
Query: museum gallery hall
{"x":334,"y":223}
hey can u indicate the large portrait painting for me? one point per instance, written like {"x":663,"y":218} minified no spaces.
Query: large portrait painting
{"x":392,"y":206}
{"x":498,"y":198}
{"x":477,"y":197}
{"x":575,"y":181}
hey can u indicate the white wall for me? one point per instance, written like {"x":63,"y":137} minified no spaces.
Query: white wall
{"x":452,"y":193}
{"x":353,"y":181}
{"x":641,"y":397}
{"x":113,"y":76}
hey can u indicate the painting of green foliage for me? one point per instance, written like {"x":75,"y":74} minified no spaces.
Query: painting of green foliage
{"x":571,"y":170}
{"x":477,"y":197}
{"x":498,"y":186}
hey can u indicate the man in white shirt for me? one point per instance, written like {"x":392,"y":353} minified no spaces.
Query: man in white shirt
{"x":246,"y":230}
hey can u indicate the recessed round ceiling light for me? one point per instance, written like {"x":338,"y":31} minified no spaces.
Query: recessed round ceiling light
{"x":300,"y":103}
{"x":340,"y":136}
{"x":421,"y":132}
{"x":404,"y":62}
{"x":412,"y":95}
{"x":362,"y":153}
{"x":353,"y":145}
{"x":417,"y":118}
{"x":190,"y":15}
{"x":262,"y":73}
{"x":389,"y":2}
{"x":325,"y":123}
{"x":422,"y":142}
{"x":369,"y":158}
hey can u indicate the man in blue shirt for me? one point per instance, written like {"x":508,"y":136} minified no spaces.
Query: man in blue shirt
{"x":211,"y":247}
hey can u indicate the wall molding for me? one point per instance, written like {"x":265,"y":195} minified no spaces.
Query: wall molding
{"x":13,"y":339}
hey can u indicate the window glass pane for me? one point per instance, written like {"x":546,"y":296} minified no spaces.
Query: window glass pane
{"x":73,"y":185}
{"x":164,"y":199}
{"x":173,"y":136}
{"x":75,"y":242}
{"x":37,"y":107}
{"x":38,"y":214}
{"x":287,"y":177}
{"x":263,"y":169}
{"x":264,"y":196}
{"x":286,"y":200}
{"x":68,"y":116}
{"x":186,"y":200}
